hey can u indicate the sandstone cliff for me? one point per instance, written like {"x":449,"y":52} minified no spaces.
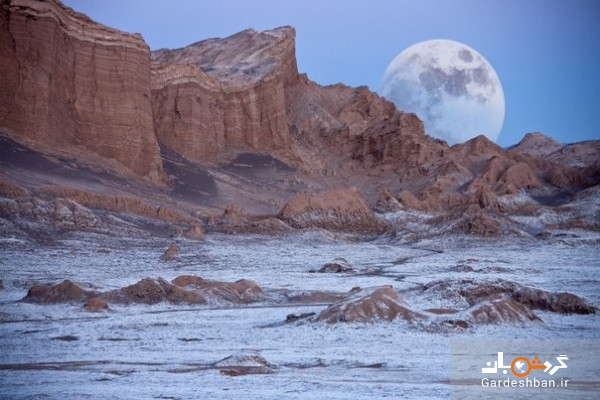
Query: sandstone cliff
{"x":76,"y":87}
{"x":218,"y":97}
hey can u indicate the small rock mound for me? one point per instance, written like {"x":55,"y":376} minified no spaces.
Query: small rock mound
{"x":241,"y":291}
{"x":472,"y":292}
{"x":171,"y":253}
{"x":501,"y":309}
{"x":338,"y":265}
{"x":195,"y":232}
{"x":95,"y":304}
{"x":64,"y":292}
{"x":153,"y":291}
{"x":409,"y":200}
{"x":370,"y":305}
{"x":337,"y":210}
{"x":188,"y":289}
{"x":296,"y":317}
{"x":479,"y":224}
{"x":244,"y":364}
{"x":387,"y":203}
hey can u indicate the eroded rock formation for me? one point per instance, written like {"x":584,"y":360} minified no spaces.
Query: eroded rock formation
{"x":370,"y":305}
{"x":75,"y":87}
{"x":216,"y":97}
{"x":342,"y":210}
{"x":186,"y":289}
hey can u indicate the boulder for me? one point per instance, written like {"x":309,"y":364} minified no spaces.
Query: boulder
{"x":500,"y":309}
{"x":472,"y":291}
{"x":478,"y":224}
{"x":195,"y":232}
{"x":95,"y":304}
{"x":338,"y":265}
{"x":171,"y":252}
{"x":64,"y":292}
{"x":387,"y":203}
{"x":238,"y":292}
{"x":153,"y":291}
{"x":244,"y":364}
{"x":336,"y":210}
{"x":241,"y":291}
{"x":381,"y":303}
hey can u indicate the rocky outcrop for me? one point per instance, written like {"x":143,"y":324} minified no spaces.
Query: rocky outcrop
{"x":95,"y":304}
{"x":357,"y":124}
{"x":336,"y":266}
{"x":64,"y":292}
{"x":153,"y":291}
{"x":338,"y":210}
{"x":370,"y":305}
{"x":469,"y":292}
{"x":241,"y":291}
{"x":219,"y":96}
{"x":500,"y":310}
{"x":74,"y":87}
{"x":244,"y":364}
{"x":537,"y":144}
{"x":186,"y":289}
{"x":171,"y":252}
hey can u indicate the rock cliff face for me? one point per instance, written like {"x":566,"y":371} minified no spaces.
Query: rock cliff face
{"x":75,"y":87}
{"x":218,"y":97}
{"x":357,"y":124}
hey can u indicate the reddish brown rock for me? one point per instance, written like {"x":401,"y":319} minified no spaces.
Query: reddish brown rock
{"x":478,"y":224}
{"x":241,"y":291}
{"x":95,"y":304}
{"x":63,"y":292}
{"x":474,"y":291}
{"x":338,"y":210}
{"x":370,"y":305}
{"x":153,"y":291}
{"x":336,"y":266}
{"x":72,"y":86}
{"x":409,"y":200}
{"x":500,"y":310}
{"x":244,"y":364}
{"x":537,"y":144}
{"x":189,"y":281}
{"x":195,"y":232}
{"x":171,"y":252}
{"x":338,"y":121}
{"x":386,"y":203}
{"x":218,"y":96}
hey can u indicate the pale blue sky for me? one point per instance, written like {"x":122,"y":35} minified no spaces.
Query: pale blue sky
{"x":546,"y":52}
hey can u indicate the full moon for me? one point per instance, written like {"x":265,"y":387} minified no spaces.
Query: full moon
{"x":450,"y":86}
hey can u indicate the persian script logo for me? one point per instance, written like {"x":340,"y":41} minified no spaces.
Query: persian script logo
{"x":522,"y":366}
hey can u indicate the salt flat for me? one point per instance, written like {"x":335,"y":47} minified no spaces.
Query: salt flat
{"x":170,"y":351}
